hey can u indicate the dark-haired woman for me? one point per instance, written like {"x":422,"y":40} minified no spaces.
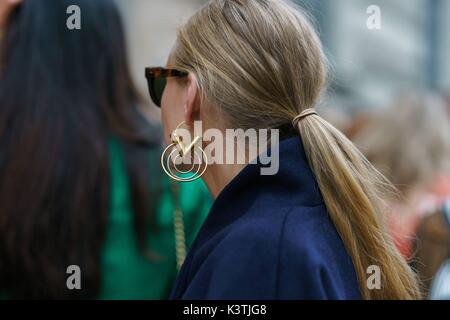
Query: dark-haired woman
{"x":80,"y":182}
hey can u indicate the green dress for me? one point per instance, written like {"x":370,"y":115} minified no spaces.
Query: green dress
{"x":126,"y":273}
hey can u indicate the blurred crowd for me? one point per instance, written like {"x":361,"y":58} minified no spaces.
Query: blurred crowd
{"x":409,"y":142}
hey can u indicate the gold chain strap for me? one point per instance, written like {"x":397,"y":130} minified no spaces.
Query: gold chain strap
{"x":178,"y":225}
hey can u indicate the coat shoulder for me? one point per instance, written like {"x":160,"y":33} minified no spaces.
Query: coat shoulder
{"x":292,"y":253}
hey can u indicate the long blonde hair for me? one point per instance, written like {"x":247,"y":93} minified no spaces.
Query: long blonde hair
{"x":261,"y":63}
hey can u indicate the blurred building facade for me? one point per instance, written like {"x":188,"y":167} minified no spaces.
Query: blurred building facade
{"x":368,"y":67}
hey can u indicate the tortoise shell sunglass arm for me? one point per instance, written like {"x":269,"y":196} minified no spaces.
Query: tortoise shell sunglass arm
{"x":157,"y":81}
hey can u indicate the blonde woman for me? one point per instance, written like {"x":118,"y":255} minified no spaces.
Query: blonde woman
{"x":312,"y":230}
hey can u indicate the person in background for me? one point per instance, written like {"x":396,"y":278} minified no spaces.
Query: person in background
{"x":432,"y":253}
{"x":409,"y":142}
{"x":432,"y":249}
{"x":80,"y":181}
{"x":440,"y":285}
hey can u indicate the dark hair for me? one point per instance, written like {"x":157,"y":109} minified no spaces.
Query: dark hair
{"x":63,"y":94}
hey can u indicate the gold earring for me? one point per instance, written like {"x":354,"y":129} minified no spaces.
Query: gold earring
{"x":176,"y":151}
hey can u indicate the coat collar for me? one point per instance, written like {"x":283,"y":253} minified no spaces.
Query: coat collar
{"x":293,"y":185}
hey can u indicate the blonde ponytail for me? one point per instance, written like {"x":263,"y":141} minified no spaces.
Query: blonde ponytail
{"x":261,"y":63}
{"x":351,"y":188}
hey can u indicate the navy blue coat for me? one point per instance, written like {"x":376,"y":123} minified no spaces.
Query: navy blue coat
{"x":269,"y":237}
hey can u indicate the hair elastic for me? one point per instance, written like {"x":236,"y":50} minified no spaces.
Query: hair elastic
{"x":304,"y":114}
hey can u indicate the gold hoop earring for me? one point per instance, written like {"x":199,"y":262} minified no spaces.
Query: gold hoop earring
{"x":176,"y":151}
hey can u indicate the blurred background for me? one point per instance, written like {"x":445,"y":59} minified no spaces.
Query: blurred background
{"x":369,"y":67}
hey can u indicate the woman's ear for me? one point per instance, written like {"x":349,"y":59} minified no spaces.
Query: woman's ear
{"x":192,"y":106}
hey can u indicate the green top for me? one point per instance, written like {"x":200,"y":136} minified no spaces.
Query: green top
{"x":126,"y":273}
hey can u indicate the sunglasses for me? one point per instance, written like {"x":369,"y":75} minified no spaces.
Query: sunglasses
{"x":157,"y":81}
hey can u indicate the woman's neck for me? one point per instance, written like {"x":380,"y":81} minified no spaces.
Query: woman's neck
{"x":218,"y":176}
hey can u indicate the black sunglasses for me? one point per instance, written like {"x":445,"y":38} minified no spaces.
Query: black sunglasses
{"x":157,"y":81}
